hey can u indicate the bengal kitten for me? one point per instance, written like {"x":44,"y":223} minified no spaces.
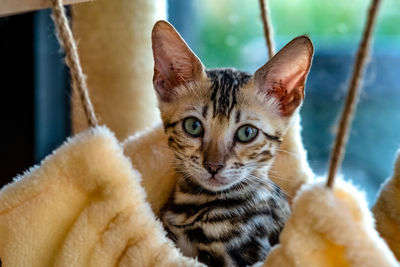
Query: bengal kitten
{"x":224,"y":127}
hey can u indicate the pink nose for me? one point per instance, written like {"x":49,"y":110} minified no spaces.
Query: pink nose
{"x":212,"y":167}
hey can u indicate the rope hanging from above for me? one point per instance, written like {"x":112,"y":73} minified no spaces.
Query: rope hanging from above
{"x":346,"y":119}
{"x":67,"y":41}
{"x":268,"y":33}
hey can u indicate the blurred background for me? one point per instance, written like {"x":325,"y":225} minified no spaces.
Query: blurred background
{"x":229,"y":33}
{"x":224,"y":33}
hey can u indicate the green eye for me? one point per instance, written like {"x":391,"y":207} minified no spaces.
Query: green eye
{"x":246,"y":133}
{"x":193,"y":126}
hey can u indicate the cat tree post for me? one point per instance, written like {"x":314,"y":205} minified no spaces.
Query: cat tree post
{"x":115,"y":49}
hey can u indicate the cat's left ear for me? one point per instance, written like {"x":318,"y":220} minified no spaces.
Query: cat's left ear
{"x":175,"y":64}
{"x":284,"y":75}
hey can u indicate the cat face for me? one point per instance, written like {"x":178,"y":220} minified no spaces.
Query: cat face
{"x":223,"y":125}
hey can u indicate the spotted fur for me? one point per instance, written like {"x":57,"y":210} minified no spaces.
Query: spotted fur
{"x":236,"y":226}
{"x":225,"y":210}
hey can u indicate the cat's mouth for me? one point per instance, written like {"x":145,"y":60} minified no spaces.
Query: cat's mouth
{"x":214,"y":181}
{"x":217,"y":183}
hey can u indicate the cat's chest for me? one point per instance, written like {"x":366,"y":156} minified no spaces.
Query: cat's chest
{"x":216,"y":228}
{"x":219,"y":212}
{"x":220,"y":226}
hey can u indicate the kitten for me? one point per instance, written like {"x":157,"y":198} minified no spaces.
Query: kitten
{"x":224,"y":127}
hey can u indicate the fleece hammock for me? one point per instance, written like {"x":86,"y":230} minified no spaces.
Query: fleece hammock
{"x":85,"y":205}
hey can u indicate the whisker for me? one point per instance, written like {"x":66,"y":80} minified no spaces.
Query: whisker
{"x":279,"y":177}
{"x":269,"y":183}
{"x":289,"y":153}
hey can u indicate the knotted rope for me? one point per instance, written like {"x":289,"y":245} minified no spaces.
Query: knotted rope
{"x":268,"y":33}
{"x":346,"y":119}
{"x":67,"y":41}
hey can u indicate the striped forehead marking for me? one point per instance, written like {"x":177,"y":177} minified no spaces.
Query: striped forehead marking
{"x":224,"y":89}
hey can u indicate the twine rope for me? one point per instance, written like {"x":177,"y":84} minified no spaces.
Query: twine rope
{"x":67,"y":41}
{"x":353,"y":94}
{"x":268,"y":32}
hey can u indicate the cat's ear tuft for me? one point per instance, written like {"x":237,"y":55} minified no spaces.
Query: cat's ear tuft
{"x":284,"y":75}
{"x":174,"y":63}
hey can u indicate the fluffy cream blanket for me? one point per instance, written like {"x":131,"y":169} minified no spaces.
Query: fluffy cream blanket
{"x":85,"y":206}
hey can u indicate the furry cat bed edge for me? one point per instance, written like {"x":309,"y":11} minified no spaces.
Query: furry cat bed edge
{"x":84,"y":206}
{"x":330,"y":227}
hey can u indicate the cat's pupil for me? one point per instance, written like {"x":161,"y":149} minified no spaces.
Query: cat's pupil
{"x":195,"y":125}
{"x":248,"y":131}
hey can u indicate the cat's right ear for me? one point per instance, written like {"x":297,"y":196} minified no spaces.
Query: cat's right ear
{"x":284,"y":75}
{"x":175,"y":64}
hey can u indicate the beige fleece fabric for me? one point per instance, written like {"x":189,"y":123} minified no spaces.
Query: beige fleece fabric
{"x":387,"y":210}
{"x":83,"y":206}
{"x":330,"y":228}
{"x":115,"y":49}
{"x":151,"y":156}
